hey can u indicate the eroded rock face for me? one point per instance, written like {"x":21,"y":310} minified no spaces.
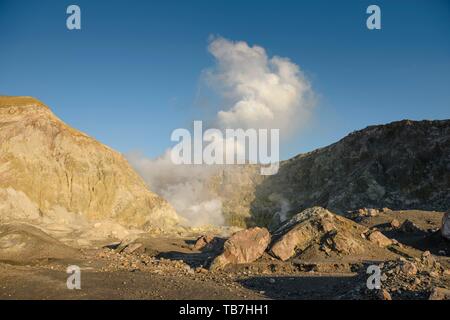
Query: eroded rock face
{"x":45,"y":165}
{"x":317,"y":229}
{"x":244,"y":246}
{"x":400,"y":165}
{"x":445,"y":229}
{"x":312,"y":225}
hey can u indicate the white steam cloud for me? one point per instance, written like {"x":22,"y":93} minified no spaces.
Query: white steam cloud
{"x":262,"y":92}
{"x":183,"y":186}
{"x":259,"y":92}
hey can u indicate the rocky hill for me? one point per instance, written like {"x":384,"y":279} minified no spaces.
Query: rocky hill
{"x":52,"y":172}
{"x":401,"y":165}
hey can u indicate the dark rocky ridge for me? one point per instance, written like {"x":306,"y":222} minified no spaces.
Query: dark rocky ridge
{"x":401,"y":165}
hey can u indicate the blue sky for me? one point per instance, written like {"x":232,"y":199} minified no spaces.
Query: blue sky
{"x":132,"y":74}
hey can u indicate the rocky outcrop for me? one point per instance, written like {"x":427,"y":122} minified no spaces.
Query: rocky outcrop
{"x":244,"y":246}
{"x":49,"y":170}
{"x":315,"y":225}
{"x":236,"y":187}
{"x":317,"y":230}
{"x":401,"y":165}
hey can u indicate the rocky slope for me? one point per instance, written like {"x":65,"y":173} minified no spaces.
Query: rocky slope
{"x":401,"y":165}
{"x":49,"y":170}
{"x":53,"y":173}
{"x":318,"y":234}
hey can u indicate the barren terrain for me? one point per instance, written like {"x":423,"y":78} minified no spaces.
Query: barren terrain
{"x":171,"y":268}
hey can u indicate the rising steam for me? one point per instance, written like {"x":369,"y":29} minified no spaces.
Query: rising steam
{"x":260,"y":93}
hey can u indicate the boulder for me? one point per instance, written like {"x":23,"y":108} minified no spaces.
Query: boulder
{"x":439,"y":294}
{"x":395,"y":224}
{"x":244,"y":246}
{"x":209,"y":243}
{"x":368,"y":212}
{"x":428,"y":259}
{"x":317,"y":226}
{"x":383,"y":294}
{"x":133,"y":247}
{"x":379,"y":238}
{"x":343,"y":242}
{"x":409,"y":268}
{"x":203,"y":241}
{"x":294,"y":240}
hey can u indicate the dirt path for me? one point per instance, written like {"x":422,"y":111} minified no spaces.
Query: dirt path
{"x":38,"y":283}
{"x":31,"y":282}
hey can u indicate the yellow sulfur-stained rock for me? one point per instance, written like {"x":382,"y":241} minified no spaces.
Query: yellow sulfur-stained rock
{"x":45,"y":165}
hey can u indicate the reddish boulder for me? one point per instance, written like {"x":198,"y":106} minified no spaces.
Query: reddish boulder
{"x":244,"y":246}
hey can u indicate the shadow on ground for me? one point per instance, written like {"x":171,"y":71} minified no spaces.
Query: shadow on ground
{"x":194,"y":260}
{"x":302,"y":287}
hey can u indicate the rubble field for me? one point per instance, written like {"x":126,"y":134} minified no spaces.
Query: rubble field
{"x":316,"y":254}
